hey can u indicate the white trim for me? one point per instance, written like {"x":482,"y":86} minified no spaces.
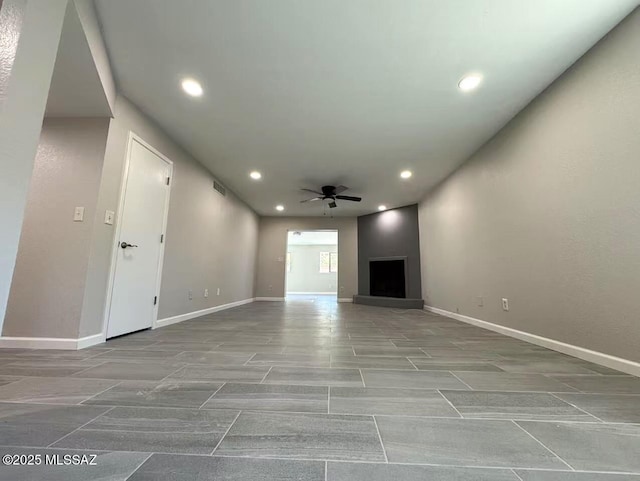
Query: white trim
{"x":345,"y":299}
{"x":269,"y":298}
{"x":203,"y":312}
{"x":329,"y":293}
{"x":118,"y":227}
{"x":68,"y":344}
{"x":613,"y":362}
{"x":91,"y":340}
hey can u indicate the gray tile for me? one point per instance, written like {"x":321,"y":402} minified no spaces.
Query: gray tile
{"x":603,"y":384}
{"x":109,"y":466}
{"x":129,"y":370}
{"x":462,"y":442}
{"x":402,"y":402}
{"x":40,"y":371}
{"x":293,"y":360}
{"x":455,"y":354}
{"x":374,"y":362}
{"x":591,"y":447}
{"x":506,"y":381}
{"x":48,"y":413}
{"x":303,"y":436}
{"x":37,"y":434}
{"x":314,"y":376}
{"x":611,"y":408}
{"x":422,"y":343}
{"x":439,"y":365}
{"x":250,"y":348}
{"x":411,"y":379}
{"x":53,"y":390}
{"x":386,"y":472}
{"x":152,"y":430}
{"x":270,"y":397}
{"x":164,"y":467}
{"x":137,"y":355}
{"x":167,"y":420}
{"x":558,"y":476}
{"x":170,"y":393}
{"x":221,"y":373}
{"x":514,"y":405}
{"x":8,"y":379}
{"x":544,"y":367}
{"x":140,"y":441}
{"x":203,"y":357}
{"x":389,"y":351}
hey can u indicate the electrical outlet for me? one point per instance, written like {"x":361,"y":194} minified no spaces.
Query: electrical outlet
{"x":505,"y":304}
{"x":206,"y":293}
{"x":480,"y":300}
{"x":190,"y":295}
{"x":218,"y":293}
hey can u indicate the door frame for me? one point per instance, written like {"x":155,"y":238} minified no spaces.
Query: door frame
{"x":286,"y":250}
{"x":131,"y":138}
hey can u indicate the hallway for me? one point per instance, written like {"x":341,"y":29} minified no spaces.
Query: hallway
{"x":276,"y":390}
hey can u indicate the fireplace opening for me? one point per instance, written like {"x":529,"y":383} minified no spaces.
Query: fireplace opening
{"x":387,"y":278}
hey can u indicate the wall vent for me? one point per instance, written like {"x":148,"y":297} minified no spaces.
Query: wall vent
{"x":219,"y":187}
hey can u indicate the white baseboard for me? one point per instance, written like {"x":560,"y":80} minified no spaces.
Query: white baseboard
{"x":203,"y":312}
{"x":68,"y":344}
{"x":270,"y":299}
{"x":613,"y":362}
{"x":313,"y":293}
{"x":345,"y":299}
{"x":91,"y":340}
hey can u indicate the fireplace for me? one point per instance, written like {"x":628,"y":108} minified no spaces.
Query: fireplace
{"x":387,"y":277}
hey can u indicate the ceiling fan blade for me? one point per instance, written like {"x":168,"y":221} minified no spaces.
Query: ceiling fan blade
{"x":340,"y":189}
{"x":314,"y":191}
{"x":311,"y":200}
{"x":348,"y":197}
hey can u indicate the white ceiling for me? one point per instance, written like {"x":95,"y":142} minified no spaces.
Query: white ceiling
{"x":346,"y":92}
{"x":310,"y":238}
{"x":76,"y":90}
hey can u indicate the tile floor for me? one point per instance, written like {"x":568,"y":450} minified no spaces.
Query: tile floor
{"x":313,"y":390}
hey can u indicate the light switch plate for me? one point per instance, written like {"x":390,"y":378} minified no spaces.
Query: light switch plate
{"x":109,"y":215}
{"x":78,"y":214}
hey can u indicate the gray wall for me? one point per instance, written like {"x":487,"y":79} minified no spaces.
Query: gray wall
{"x":547,"y":214}
{"x":211,"y":240}
{"x":53,"y":255}
{"x":305,"y":275}
{"x":393,"y":232}
{"x":270,"y":281}
{"x":29,"y":36}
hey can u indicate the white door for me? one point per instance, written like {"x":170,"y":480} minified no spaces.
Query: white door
{"x":139,"y":243}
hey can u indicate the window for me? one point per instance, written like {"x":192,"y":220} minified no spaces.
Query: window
{"x":288,"y":261}
{"x":328,"y":262}
{"x":325,"y":262}
{"x":334,"y":262}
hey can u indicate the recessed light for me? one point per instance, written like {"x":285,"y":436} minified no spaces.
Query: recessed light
{"x":382,"y":207}
{"x":469,"y":82}
{"x":192,"y":87}
{"x":255,"y":175}
{"x":280,"y":208}
{"x":405,"y":174}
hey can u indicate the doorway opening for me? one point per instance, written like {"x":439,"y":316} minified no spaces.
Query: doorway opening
{"x":311,"y":265}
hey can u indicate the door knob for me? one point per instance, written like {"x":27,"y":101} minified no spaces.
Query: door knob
{"x":124,"y":245}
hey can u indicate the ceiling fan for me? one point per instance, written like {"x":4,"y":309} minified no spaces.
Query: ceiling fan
{"x":330,"y":192}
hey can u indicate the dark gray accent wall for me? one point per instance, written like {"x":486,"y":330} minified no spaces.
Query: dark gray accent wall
{"x":390,"y":233}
